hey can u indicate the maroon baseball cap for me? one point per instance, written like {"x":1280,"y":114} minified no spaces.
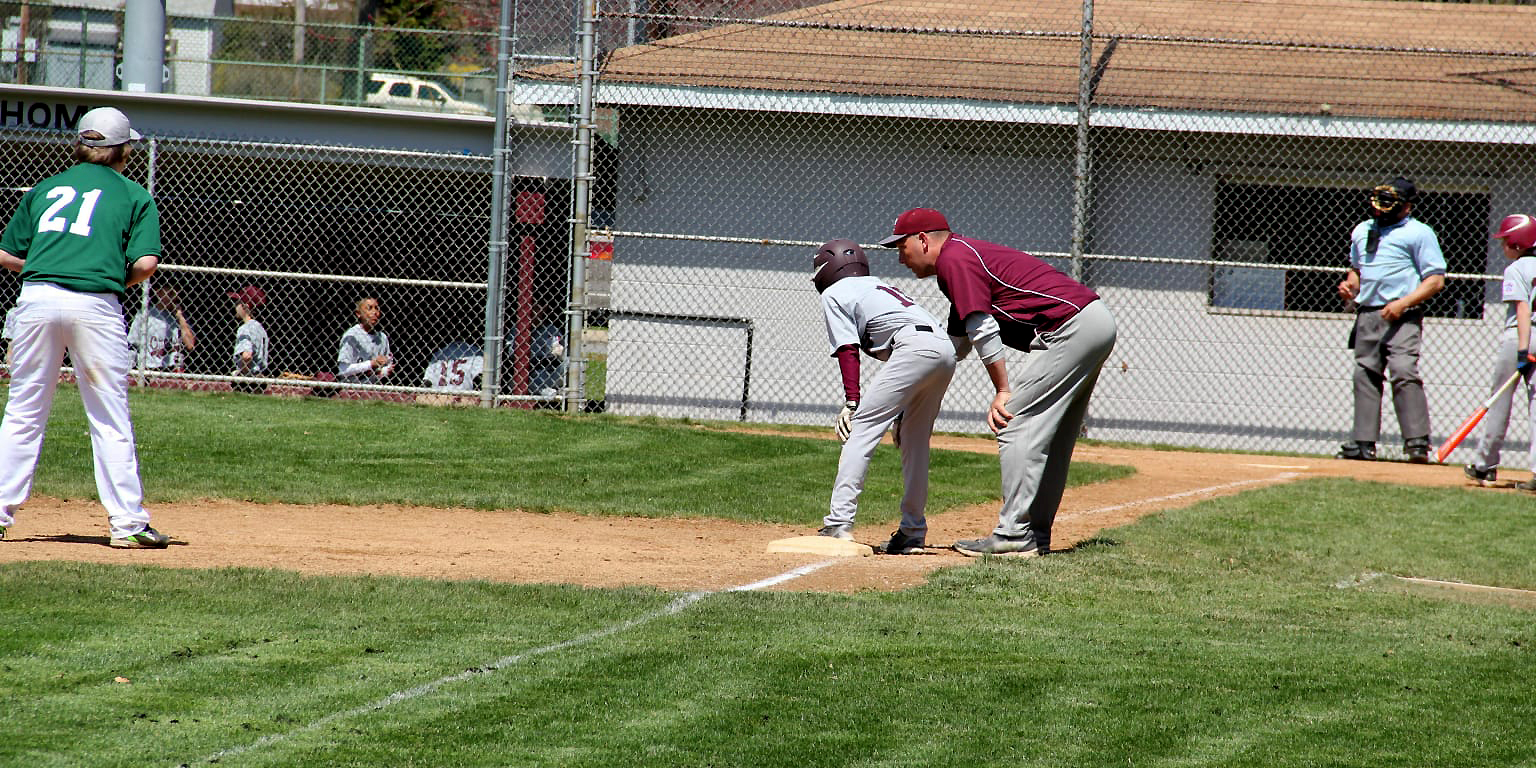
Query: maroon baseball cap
{"x":915,"y":221}
{"x":251,"y":296}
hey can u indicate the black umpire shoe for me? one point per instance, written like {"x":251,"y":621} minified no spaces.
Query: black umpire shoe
{"x":1417,"y":450}
{"x":1358,"y":450}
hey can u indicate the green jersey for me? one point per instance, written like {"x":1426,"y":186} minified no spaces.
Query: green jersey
{"x":82,"y":228}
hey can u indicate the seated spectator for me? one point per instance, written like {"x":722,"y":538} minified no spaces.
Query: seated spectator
{"x":251,"y":347}
{"x":364,"y":354}
{"x":546,"y":360}
{"x":161,"y":334}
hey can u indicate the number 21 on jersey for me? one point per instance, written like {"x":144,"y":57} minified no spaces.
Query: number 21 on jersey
{"x":52,"y":221}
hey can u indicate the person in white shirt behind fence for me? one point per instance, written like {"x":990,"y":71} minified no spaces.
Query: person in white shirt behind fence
{"x":251,"y":346}
{"x":161,"y":335}
{"x":364,"y":354}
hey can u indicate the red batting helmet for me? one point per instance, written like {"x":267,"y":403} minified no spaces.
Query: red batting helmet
{"x":1518,"y":230}
{"x":836,"y":260}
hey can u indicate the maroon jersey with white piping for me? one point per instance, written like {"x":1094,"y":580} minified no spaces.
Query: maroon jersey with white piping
{"x":1023,"y":293}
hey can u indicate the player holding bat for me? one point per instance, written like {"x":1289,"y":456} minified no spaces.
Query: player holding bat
{"x":1519,"y":235}
{"x":864,"y":313}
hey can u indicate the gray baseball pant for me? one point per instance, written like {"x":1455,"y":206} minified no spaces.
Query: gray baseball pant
{"x":1049,"y":403}
{"x":1490,"y":445}
{"x":1390,"y":348}
{"x":910,"y":384}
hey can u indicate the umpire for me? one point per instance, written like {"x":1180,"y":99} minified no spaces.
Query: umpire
{"x":1395,"y":265}
{"x":79,"y":239}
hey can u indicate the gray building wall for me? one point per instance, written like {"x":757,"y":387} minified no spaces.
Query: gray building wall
{"x":1183,"y":372}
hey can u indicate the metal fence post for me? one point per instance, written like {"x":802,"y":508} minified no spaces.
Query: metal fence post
{"x":1082,"y":174}
{"x":581,"y":189}
{"x":490,"y":382}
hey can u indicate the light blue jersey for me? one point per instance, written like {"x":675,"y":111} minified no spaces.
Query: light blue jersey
{"x":1407,"y":253}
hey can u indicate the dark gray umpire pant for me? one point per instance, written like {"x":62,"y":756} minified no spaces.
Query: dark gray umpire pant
{"x":1390,"y":351}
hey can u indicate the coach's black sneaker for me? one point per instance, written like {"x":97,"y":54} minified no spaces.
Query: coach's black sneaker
{"x":148,"y":538}
{"x":1417,"y":449}
{"x":902,"y":544}
{"x":1487,"y":478}
{"x":1359,"y":450}
{"x":844,"y":532}
{"x":1010,"y":546}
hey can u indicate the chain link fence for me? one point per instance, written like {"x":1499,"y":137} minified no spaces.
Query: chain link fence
{"x":302,"y":234}
{"x":1201,"y":170}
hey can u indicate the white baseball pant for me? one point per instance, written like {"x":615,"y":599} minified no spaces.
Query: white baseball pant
{"x":1490,"y":447}
{"x":910,"y":384}
{"x":51,"y":319}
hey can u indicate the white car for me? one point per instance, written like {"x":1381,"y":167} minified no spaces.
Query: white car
{"x":406,"y":92}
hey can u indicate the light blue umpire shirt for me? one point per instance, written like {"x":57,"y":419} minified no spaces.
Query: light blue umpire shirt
{"x":1408,"y":253}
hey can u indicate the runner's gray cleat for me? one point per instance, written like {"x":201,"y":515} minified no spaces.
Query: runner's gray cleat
{"x":844,"y":532}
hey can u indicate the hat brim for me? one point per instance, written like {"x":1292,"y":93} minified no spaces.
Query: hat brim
{"x":890,"y":242}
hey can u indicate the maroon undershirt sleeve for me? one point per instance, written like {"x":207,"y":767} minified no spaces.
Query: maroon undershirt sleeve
{"x":848,"y":363}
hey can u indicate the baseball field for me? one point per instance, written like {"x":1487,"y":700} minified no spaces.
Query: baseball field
{"x":368,"y":584}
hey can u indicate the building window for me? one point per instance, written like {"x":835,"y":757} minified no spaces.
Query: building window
{"x":1310,"y":226}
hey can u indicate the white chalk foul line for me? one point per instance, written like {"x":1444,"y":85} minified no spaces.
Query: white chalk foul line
{"x":1183,"y":495}
{"x":675,"y":607}
{"x":1370,"y":576}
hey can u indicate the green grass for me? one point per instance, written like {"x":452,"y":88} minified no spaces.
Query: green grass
{"x":263,"y":449}
{"x":1217,"y":635}
{"x":597,"y":378}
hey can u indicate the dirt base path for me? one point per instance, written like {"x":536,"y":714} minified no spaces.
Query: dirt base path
{"x":690,"y":554}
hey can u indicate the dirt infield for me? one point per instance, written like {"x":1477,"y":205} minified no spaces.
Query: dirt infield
{"x":516,"y":546}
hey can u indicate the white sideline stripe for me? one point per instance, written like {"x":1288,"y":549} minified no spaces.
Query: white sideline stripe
{"x":1182,"y":495}
{"x":675,"y":607}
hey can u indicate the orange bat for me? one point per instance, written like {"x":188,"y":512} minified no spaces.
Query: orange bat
{"x":1471,"y":422}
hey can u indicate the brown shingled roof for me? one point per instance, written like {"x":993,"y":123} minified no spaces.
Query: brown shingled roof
{"x":1366,"y":58}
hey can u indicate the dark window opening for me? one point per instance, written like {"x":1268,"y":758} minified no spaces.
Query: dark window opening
{"x":1310,"y":226}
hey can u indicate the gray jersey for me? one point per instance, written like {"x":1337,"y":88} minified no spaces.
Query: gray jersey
{"x":359,"y":346}
{"x":1519,"y":285}
{"x":252,"y":338}
{"x":157,"y":337}
{"x":919,"y":361}
{"x":866,"y":312}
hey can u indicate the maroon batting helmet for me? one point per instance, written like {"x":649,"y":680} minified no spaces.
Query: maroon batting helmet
{"x":836,"y":260}
{"x":1518,"y":230}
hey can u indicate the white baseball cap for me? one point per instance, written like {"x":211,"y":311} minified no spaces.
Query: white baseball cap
{"x":110,"y":123}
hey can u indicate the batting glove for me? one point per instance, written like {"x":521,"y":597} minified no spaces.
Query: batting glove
{"x":1524,"y":362}
{"x":844,"y":424}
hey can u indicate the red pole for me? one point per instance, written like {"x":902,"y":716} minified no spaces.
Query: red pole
{"x":529,"y":210}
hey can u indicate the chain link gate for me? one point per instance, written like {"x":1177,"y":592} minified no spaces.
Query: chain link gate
{"x":1201,"y":171}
